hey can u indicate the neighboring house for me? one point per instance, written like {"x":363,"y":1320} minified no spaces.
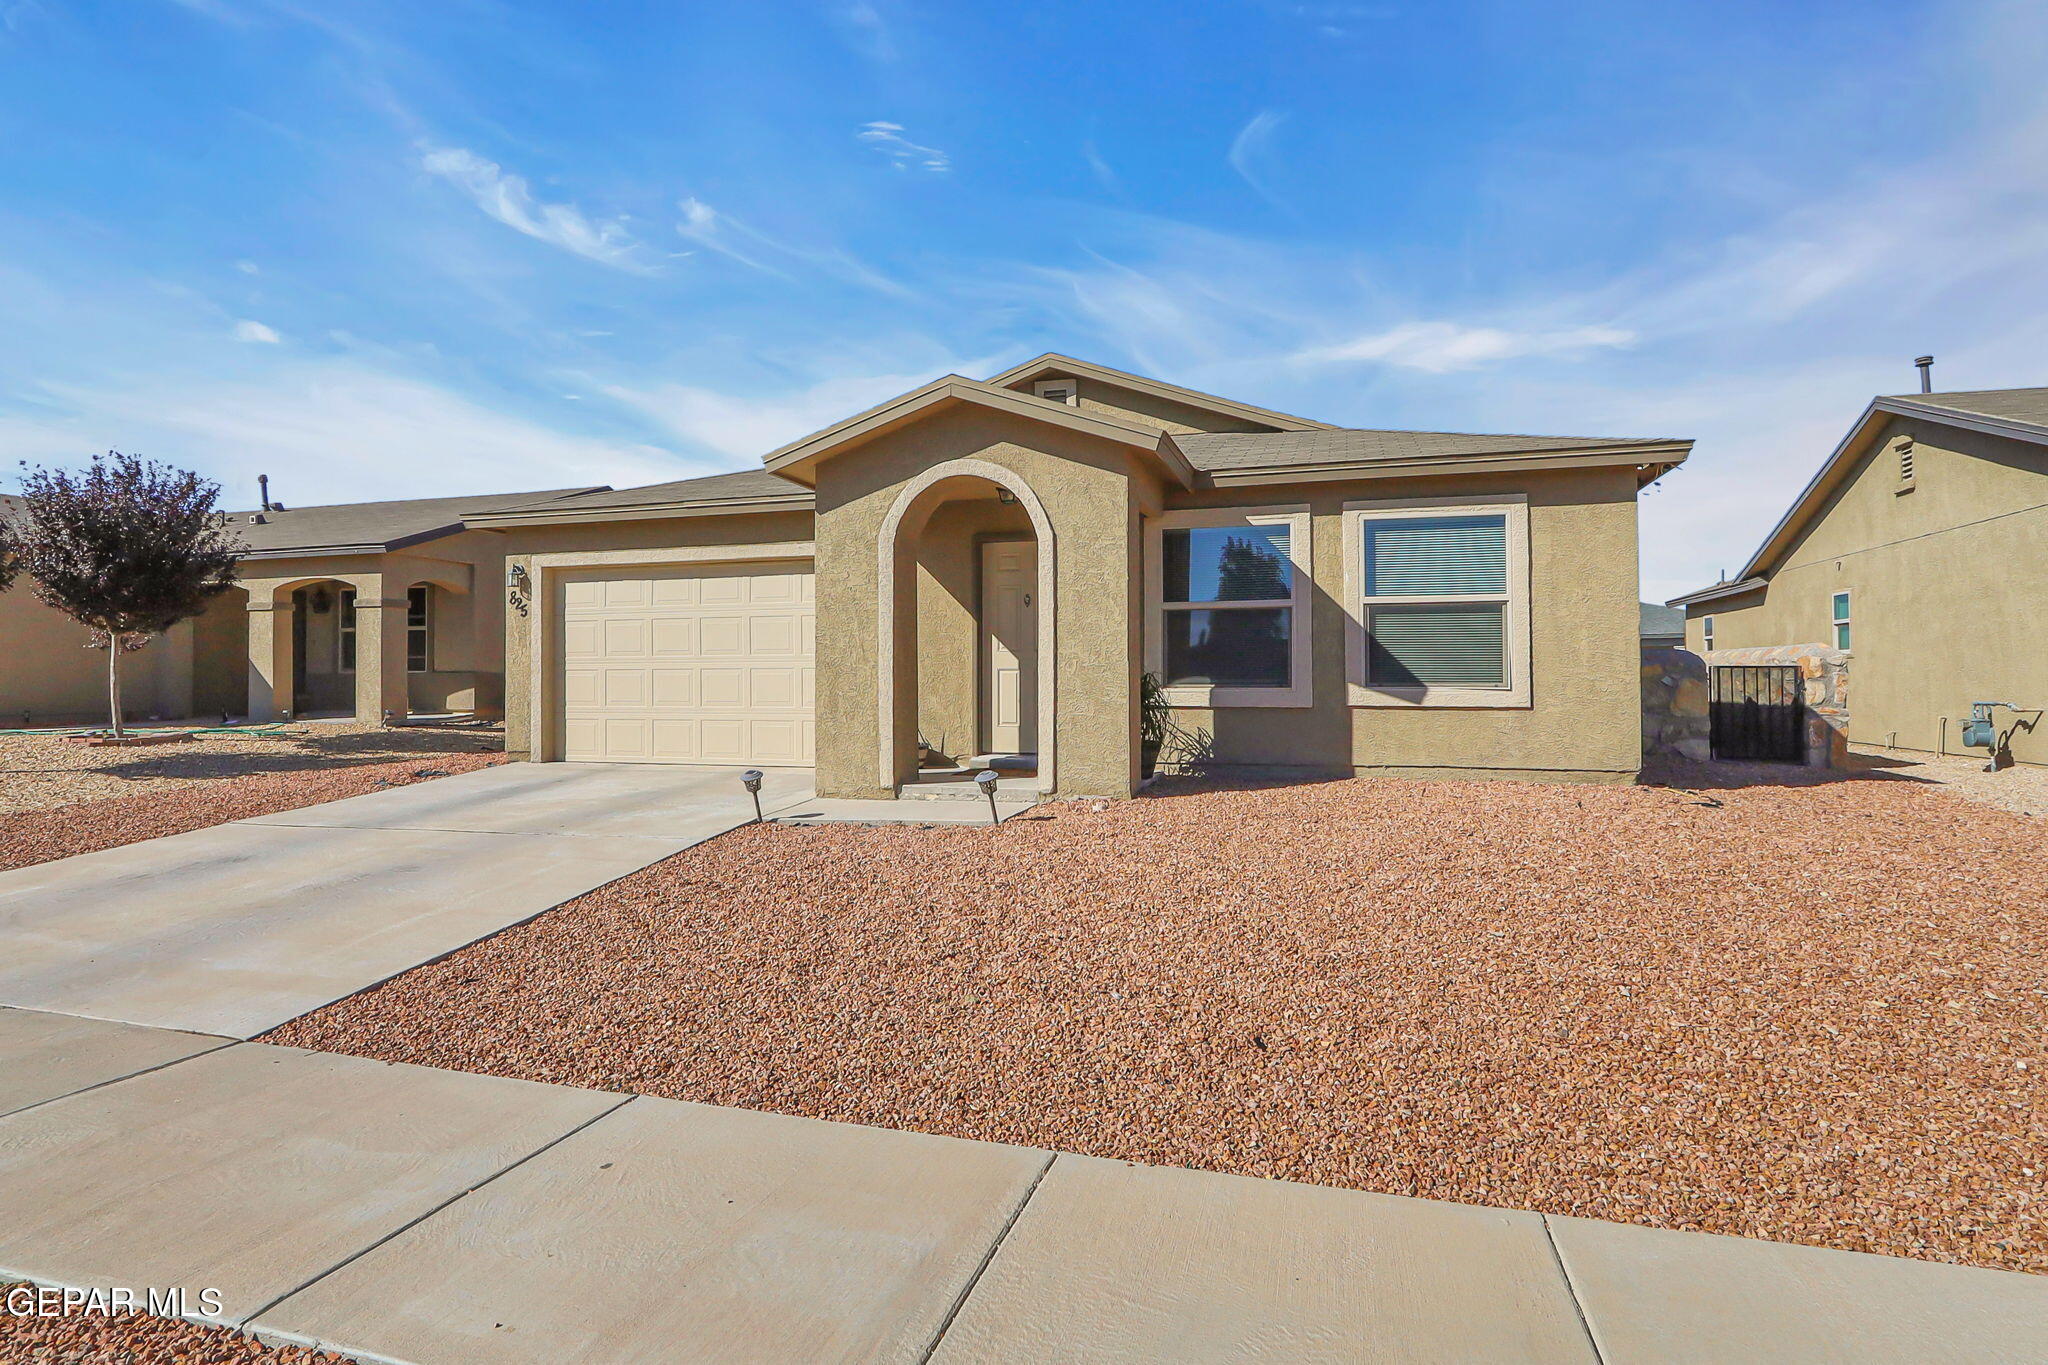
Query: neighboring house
{"x":984,"y":569}
{"x":1919,"y":552}
{"x":372,"y":609}
{"x":1660,"y":627}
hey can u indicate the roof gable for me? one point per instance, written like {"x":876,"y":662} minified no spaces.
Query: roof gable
{"x":799,"y":459}
{"x":1053,"y":364}
{"x":2020,"y":414}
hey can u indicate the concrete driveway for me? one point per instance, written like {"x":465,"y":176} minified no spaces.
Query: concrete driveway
{"x":235,"y":929}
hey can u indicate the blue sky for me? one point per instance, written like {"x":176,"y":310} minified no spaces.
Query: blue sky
{"x":375,"y":249}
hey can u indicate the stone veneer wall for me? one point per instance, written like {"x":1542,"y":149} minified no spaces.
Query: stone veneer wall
{"x":1825,"y":672}
{"x":1674,"y":703}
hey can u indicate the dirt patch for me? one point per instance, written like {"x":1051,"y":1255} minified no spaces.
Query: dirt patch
{"x":38,"y":772}
{"x":1804,"y":1013}
{"x":38,"y":836}
{"x":2021,"y":789}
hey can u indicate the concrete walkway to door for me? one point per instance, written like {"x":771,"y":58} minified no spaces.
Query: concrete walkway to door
{"x":235,"y":929}
{"x":414,"y":1216}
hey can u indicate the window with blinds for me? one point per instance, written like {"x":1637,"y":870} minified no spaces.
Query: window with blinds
{"x":1436,"y":604}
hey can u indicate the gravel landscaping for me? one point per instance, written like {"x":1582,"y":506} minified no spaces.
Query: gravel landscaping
{"x":1806,"y":1012}
{"x":40,"y":835}
{"x":38,"y":772}
{"x":135,"y":1339}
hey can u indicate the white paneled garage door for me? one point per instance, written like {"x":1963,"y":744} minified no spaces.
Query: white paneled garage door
{"x":690,"y":664}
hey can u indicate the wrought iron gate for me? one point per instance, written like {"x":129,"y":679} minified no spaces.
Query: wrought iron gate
{"x":1755,"y":713}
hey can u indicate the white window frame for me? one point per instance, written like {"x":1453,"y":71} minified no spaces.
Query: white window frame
{"x":1839,"y":619}
{"x":1301,"y":688}
{"x":425,"y":628}
{"x":1515,"y":629}
{"x":345,"y":631}
{"x":1067,"y":391}
{"x":1707,"y":633}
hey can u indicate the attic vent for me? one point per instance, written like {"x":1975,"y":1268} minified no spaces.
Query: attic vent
{"x":1905,"y":451}
{"x":1066,"y":391}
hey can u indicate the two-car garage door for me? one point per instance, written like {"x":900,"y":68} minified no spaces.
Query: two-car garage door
{"x":687,"y":664}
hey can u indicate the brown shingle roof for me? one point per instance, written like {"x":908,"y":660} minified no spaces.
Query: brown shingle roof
{"x":370,"y":527}
{"x":2011,"y":405}
{"x":743,"y":485}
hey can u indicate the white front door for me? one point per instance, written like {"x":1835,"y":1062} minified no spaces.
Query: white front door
{"x":1009,"y":646}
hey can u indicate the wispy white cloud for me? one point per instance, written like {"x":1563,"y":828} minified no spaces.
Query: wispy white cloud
{"x":1442,"y":347}
{"x":507,"y":198}
{"x":868,"y":30}
{"x":748,"y":427}
{"x":250,"y":330}
{"x":1105,"y":174}
{"x":708,"y":228}
{"x":903,"y":154}
{"x":327,"y":431}
{"x":1252,"y":146}
{"x":249,"y":267}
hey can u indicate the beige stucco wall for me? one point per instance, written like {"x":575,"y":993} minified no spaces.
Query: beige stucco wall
{"x":1584,"y":721}
{"x":1090,"y":490}
{"x":1948,"y":587}
{"x":48,"y":677}
{"x":523,"y":618}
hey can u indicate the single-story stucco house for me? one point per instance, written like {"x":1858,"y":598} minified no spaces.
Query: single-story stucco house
{"x":985,"y":569}
{"x":980,"y":573}
{"x":1915,"y":563}
{"x":320,"y":593}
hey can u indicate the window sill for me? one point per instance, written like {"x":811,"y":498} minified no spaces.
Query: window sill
{"x":1441,"y":698}
{"x":1233,"y":698}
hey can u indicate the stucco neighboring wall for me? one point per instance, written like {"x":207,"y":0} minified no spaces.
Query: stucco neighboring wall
{"x":1584,"y":721}
{"x":1948,"y":587}
{"x":48,"y":677}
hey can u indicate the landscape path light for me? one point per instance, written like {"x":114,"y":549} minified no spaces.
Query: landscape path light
{"x":751,"y":780}
{"x":986,"y":779}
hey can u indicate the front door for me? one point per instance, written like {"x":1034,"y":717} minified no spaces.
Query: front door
{"x":1009,"y":646}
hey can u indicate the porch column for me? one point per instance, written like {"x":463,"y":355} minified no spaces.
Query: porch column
{"x":270,"y":654}
{"x":380,"y":658}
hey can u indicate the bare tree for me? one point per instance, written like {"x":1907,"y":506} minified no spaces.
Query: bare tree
{"x":127,"y":548}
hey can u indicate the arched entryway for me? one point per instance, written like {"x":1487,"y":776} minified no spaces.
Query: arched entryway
{"x":966,"y":625}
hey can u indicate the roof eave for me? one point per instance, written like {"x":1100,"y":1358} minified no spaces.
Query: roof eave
{"x":651,"y":511}
{"x":1660,"y":458}
{"x":1719,"y":591}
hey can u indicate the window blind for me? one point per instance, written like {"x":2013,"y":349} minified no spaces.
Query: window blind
{"x":1436,"y":556}
{"x":1440,"y":645}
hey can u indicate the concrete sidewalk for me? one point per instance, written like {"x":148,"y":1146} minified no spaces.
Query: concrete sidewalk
{"x":235,"y":929}
{"x":403,"y":1214}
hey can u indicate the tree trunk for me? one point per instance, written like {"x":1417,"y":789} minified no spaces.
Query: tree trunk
{"x":114,"y":681}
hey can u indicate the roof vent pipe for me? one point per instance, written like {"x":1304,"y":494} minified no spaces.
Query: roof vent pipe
{"x":263,"y":487}
{"x":1926,"y":364}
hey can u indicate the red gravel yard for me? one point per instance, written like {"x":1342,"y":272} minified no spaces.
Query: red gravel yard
{"x":1810,"y":1013}
{"x":57,"y":800}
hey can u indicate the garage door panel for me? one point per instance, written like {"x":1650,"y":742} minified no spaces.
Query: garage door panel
{"x":723,"y":688}
{"x":676,"y":687}
{"x":676,"y":636}
{"x":722,"y":636}
{"x":699,"y":664}
{"x":776,"y":689}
